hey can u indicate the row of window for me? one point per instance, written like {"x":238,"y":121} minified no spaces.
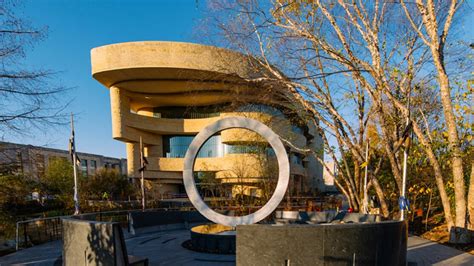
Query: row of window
{"x":86,"y":166}
{"x":90,"y":166}
{"x":212,"y":110}
{"x":176,"y":147}
{"x":182,"y":112}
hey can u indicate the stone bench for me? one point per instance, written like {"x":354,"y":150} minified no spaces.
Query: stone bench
{"x":95,"y":243}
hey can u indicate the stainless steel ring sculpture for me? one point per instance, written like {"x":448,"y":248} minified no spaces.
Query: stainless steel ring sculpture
{"x":283,"y":168}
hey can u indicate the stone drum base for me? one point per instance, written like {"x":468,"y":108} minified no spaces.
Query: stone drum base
{"x":212,"y":238}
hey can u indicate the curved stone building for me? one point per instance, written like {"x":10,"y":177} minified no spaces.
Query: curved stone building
{"x":166,"y":92}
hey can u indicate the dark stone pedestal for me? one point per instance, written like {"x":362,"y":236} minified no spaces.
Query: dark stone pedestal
{"x":382,"y":243}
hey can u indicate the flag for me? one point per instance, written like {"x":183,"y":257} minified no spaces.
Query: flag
{"x":75,"y":160}
{"x":143,"y":160}
{"x":407,"y":130}
{"x":72,"y":146}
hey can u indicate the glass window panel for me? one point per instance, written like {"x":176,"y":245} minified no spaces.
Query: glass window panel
{"x":176,"y":146}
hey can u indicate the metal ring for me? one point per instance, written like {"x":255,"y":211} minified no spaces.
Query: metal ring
{"x":283,"y":167}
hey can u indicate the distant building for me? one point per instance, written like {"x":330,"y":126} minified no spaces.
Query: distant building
{"x":33,"y":160}
{"x":328,"y":176}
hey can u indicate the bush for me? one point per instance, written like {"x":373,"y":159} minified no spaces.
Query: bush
{"x":108,"y":184}
{"x":59,"y":181}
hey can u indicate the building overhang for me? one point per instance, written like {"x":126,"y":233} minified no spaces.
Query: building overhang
{"x":153,"y":61}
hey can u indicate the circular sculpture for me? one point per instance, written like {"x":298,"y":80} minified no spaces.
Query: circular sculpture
{"x":283,"y":167}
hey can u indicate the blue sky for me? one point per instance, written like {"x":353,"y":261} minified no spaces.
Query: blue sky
{"x":77,"y":26}
{"x":74,"y":28}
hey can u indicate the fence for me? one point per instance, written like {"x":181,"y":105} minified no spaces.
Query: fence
{"x":41,"y":230}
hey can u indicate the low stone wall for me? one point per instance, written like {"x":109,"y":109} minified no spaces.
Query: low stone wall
{"x":381,"y":243}
{"x":150,"y":221}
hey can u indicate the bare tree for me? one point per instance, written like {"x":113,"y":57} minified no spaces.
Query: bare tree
{"x":310,"y":88}
{"x":432,"y":20}
{"x":28,"y":97}
{"x":347,"y":63}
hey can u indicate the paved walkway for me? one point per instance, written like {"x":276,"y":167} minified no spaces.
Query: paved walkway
{"x":425,"y":252}
{"x":164,"y":248}
{"x":161,"y":248}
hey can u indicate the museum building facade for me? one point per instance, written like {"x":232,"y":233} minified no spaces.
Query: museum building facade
{"x":167,"y":92}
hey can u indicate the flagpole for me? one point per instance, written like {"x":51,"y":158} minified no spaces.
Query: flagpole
{"x":405,"y":160}
{"x":74,"y":160}
{"x":404,"y":179}
{"x":142,"y":172}
{"x":365,"y":202}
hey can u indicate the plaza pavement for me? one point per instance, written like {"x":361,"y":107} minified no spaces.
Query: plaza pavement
{"x":426,"y":252}
{"x":164,"y":248}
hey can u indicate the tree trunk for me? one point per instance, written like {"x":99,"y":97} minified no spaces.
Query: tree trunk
{"x":353,"y":200}
{"x":344,"y":191}
{"x":389,"y":151}
{"x":428,"y":210}
{"x":357,"y":179}
{"x":381,"y":197}
{"x":397,"y":175}
{"x":437,"y":173}
{"x":453,"y":139}
{"x":470,"y":199}
{"x":457,"y":168}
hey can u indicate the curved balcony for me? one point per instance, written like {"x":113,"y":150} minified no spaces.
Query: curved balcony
{"x":169,"y":126}
{"x":216,"y":164}
{"x":229,"y":167}
{"x":231,"y":136}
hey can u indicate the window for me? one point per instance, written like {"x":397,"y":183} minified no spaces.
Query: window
{"x":176,"y":147}
{"x":252,"y":149}
{"x":296,"y":158}
{"x":93,"y":166}
{"x":84,"y":167}
{"x":39,"y":160}
{"x":19,"y":159}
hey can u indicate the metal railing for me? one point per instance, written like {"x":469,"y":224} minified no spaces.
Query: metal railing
{"x":37,"y":231}
{"x":41,"y":230}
